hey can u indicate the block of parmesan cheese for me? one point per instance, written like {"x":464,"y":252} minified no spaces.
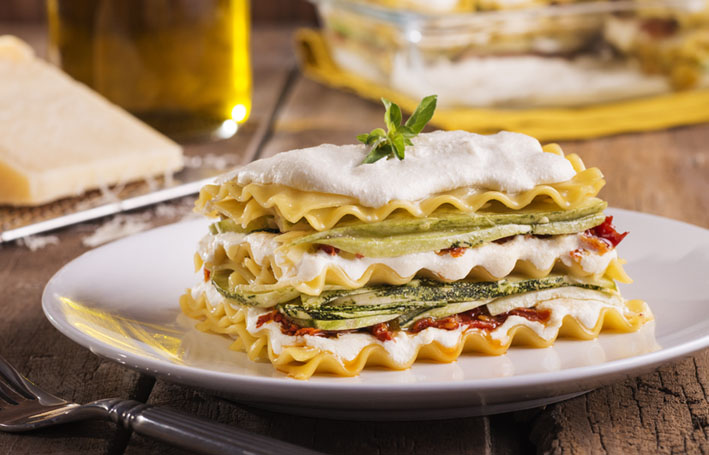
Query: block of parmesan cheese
{"x":59,"y":138}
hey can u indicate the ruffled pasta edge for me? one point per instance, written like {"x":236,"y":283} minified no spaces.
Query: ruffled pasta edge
{"x":240,"y":259}
{"x":302,"y":362}
{"x":322,"y":211}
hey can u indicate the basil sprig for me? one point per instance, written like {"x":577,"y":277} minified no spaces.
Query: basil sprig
{"x":393,"y":142}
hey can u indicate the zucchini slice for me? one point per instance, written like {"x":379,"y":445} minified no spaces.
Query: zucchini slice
{"x":447,"y":229}
{"x":344,"y":324}
{"x":264,"y":223}
{"x":420,"y":298}
{"x":262,"y":296}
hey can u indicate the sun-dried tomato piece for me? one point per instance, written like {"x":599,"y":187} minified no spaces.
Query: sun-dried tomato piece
{"x":265,"y":318}
{"x":329,"y":249}
{"x":421,"y":324}
{"x":532,"y":314}
{"x":607,"y":231}
{"x":382,"y":331}
{"x":488,"y":324}
{"x":454,"y":251}
{"x":480,"y":318}
{"x":592,"y":243}
{"x":308,"y":331}
{"x":447,"y":323}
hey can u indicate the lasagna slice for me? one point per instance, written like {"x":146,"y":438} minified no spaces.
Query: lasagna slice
{"x":321,"y":264}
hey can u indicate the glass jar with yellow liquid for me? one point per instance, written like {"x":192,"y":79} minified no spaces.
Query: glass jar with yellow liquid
{"x":182,"y":66}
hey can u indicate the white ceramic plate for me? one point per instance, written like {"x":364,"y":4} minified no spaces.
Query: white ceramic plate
{"x":120,"y":301}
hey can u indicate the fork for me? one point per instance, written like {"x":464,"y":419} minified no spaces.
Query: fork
{"x":24,"y":406}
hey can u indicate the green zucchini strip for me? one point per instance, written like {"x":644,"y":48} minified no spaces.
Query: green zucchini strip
{"x":446,"y":228}
{"x":401,"y":235}
{"x":263,"y":223}
{"x":400,"y":245}
{"x":342,"y":310}
{"x":263,"y":296}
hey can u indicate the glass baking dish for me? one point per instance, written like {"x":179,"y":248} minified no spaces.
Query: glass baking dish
{"x":521,"y":53}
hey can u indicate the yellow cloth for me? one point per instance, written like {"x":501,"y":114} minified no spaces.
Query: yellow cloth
{"x":653,"y":113}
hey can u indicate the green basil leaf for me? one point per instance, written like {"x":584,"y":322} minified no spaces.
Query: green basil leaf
{"x":378,"y":132}
{"x":398,"y":142}
{"x":406,"y":132}
{"x":377,"y":153}
{"x":392,"y":115}
{"x":422,"y":114}
{"x":395,"y":116}
{"x":393,"y":142}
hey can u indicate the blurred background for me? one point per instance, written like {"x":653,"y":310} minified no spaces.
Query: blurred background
{"x":299,"y":11}
{"x":571,"y":69}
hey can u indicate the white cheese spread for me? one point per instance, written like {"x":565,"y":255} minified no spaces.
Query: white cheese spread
{"x":404,"y":346}
{"x":262,"y":244}
{"x":498,"y":259}
{"x":437,"y":162}
{"x":210,"y":292}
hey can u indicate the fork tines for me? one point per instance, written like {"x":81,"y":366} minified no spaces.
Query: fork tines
{"x":13,"y":387}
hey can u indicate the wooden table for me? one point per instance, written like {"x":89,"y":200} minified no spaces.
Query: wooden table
{"x":667,"y":411}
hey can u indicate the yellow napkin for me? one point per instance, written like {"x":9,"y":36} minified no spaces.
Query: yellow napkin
{"x":653,"y":113}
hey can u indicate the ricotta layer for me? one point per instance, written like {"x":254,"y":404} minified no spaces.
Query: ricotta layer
{"x":498,"y":259}
{"x":438,"y":161}
{"x":403,"y":346}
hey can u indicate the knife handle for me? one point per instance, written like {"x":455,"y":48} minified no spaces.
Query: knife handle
{"x":196,"y":434}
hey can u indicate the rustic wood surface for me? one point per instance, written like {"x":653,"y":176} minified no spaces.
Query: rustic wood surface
{"x":666,"y":411}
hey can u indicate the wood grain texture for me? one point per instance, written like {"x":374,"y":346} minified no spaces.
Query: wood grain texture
{"x":461,"y":436}
{"x":664,"y":412}
{"x":53,"y":361}
{"x":660,"y":172}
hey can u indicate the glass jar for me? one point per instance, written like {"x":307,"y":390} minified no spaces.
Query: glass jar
{"x":182,"y":66}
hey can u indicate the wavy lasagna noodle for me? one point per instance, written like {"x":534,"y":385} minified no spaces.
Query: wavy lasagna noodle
{"x":301,"y":269}
{"x":246,"y":203}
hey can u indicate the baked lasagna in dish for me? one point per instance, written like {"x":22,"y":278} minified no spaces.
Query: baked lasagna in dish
{"x":504,"y":53}
{"x":322,"y":264}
